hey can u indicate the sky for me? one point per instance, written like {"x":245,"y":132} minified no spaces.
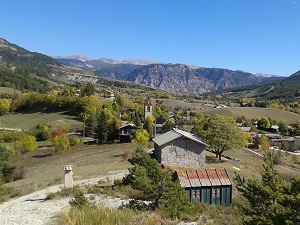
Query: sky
{"x":257,"y":36}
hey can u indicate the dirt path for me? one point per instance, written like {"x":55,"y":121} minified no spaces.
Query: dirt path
{"x":33,"y":209}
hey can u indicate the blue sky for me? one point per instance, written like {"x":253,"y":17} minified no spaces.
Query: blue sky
{"x":258,"y":36}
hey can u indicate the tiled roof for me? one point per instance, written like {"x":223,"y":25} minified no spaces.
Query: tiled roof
{"x":204,"y":177}
{"x":174,"y":134}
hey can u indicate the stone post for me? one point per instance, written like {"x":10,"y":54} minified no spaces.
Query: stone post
{"x":68,"y":176}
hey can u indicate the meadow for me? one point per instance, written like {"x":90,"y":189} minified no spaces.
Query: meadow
{"x":247,"y":112}
{"x":28,"y":120}
{"x":254,"y":113}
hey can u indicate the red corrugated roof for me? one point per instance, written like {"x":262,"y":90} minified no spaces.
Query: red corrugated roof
{"x":193,"y":178}
{"x":205,"y":177}
{"x":223,"y":176}
{"x":183,"y":179}
{"x":213,"y":177}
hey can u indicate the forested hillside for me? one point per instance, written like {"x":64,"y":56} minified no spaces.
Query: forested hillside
{"x":23,"y":78}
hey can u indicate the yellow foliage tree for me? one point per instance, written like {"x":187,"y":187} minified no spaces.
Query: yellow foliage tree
{"x":61,"y":142}
{"x":141,"y":138}
{"x":4,"y":106}
{"x":25,"y":143}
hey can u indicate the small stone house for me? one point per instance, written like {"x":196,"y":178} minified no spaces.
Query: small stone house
{"x":179,"y":148}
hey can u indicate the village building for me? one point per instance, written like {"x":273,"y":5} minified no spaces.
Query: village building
{"x":209,"y":186}
{"x":159,"y":124}
{"x":179,"y":148}
{"x":126,"y":132}
{"x":107,"y":94}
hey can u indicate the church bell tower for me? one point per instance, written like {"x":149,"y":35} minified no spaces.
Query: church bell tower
{"x":148,"y":108}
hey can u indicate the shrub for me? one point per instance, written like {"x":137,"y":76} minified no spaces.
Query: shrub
{"x":74,"y":141}
{"x":79,"y":201}
{"x":61,"y":142}
{"x":43,"y":135}
{"x":25,"y":143}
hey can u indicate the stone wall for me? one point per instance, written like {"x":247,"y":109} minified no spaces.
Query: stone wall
{"x":183,"y":152}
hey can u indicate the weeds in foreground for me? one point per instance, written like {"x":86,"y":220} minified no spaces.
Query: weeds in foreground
{"x":101,"y":215}
{"x":10,"y":192}
{"x":65,"y":192}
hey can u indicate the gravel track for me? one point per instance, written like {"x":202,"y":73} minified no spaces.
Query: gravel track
{"x":34,"y":209}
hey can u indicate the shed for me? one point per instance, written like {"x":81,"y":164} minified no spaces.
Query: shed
{"x":179,"y":148}
{"x":211,"y":186}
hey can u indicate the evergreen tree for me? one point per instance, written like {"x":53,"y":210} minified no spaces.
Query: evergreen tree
{"x":113,"y":133}
{"x":156,"y":185}
{"x":271,"y":201}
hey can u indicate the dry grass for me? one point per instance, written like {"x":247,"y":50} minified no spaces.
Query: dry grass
{"x":43,"y":167}
{"x":254,"y":113}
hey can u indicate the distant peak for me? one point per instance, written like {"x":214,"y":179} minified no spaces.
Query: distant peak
{"x":79,"y":57}
{"x":264,"y":75}
{"x":109,"y":60}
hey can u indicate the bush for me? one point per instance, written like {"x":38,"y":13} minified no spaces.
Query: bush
{"x":25,"y":143}
{"x":139,"y":205}
{"x":43,"y":135}
{"x":79,"y":201}
{"x":74,"y":141}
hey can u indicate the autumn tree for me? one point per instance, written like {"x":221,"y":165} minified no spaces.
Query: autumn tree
{"x":61,"y":142}
{"x":4,"y":106}
{"x":25,"y":143}
{"x":263,"y":124}
{"x":140,"y":138}
{"x":264,"y":143}
{"x":222,"y":134}
{"x":149,"y":125}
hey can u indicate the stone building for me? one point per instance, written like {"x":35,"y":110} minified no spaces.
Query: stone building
{"x":179,"y":148}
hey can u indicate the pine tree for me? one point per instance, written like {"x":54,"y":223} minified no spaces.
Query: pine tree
{"x":271,"y":200}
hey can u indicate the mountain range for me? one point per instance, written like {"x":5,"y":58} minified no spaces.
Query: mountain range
{"x":174,"y":78}
{"x":178,"y":78}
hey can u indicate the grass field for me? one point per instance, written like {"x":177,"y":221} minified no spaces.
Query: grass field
{"x":26,"y":121}
{"x":43,"y":167}
{"x":248,"y":112}
{"x":9,"y":90}
{"x":254,"y":113}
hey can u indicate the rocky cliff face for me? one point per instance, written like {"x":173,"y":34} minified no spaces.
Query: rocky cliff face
{"x":176,"y":78}
{"x":182,"y":78}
